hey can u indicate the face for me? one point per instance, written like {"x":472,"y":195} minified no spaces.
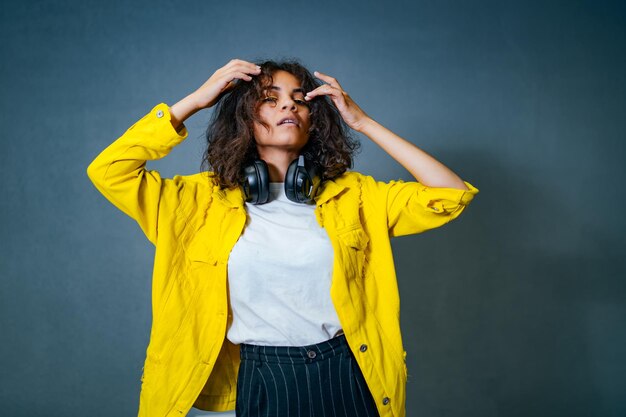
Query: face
{"x":284,"y":99}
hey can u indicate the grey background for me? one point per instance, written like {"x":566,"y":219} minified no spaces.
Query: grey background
{"x":518,"y":308}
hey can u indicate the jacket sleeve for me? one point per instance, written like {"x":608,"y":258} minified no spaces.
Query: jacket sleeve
{"x":119,"y":172}
{"x":412,"y":207}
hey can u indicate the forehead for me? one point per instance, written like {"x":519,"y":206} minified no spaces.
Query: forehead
{"x":285,"y":81}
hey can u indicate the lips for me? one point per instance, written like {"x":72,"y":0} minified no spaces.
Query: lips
{"x":293,"y":119}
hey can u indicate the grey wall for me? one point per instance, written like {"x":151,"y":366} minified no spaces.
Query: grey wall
{"x":518,"y":308}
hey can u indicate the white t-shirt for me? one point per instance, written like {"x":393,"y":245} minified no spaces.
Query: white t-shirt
{"x":279,"y":276}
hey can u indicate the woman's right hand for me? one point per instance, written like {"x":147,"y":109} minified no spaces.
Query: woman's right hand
{"x":222,"y":81}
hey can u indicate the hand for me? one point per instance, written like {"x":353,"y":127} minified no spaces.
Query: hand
{"x":222,"y":81}
{"x":348,"y":109}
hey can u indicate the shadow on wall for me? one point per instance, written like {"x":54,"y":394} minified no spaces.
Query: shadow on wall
{"x":525,"y":300}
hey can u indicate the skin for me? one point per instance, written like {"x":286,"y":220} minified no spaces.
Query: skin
{"x":280,"y":145}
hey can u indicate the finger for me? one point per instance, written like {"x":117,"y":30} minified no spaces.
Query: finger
{"x":243,"y":76}
{"x":330,"y":80}
{"x":240,"y":75}
{"x":234,"y":79}
{"x":249,"y":68}
{"x":243,"y":66}
{"x":237,"y":62}
{"x":325,"y":89}
{"x":233,"y":68}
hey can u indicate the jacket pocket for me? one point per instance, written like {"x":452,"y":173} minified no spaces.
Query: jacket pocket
{"x":198,"y":249}
{"x":354,"y":241}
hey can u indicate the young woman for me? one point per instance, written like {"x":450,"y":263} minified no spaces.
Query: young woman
{"x":274,"y":290}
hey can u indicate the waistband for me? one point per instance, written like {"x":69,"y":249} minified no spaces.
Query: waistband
{"x":295,"y":354}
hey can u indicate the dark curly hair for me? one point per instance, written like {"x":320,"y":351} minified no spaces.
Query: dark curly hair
{"x":230,"y":138}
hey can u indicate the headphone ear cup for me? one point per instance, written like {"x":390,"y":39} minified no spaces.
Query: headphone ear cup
{"x":290,"y":181}
{"x":301,"y":183}
{"x":256,"y":182}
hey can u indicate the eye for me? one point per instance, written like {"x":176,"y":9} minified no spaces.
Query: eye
{"x":297,"y":100}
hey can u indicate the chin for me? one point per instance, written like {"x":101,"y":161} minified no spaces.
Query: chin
{"x":287,"y":139}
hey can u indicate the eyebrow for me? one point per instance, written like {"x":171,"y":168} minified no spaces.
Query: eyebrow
{"x":295,"y":90}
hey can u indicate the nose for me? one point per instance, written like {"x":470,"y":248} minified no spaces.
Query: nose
{"x":289,"y":104}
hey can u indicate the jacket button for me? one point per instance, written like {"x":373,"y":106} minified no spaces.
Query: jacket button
{"x":386,"y":400}
{"x":363,"y":347}
{"x":311,"y":354}
{"x":159,"y":113}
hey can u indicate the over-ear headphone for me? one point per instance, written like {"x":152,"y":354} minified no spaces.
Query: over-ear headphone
{"x":301,"y":181}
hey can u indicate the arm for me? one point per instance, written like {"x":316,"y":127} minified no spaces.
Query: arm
{"x":182,"y":110}
{"x":119,"y":173}
{"x":426,"y":169}
{"x":411,"y":207}
{"x":438,"y":197}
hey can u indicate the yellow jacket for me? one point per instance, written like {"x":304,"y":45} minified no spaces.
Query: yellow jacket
{"x":194,"y":225}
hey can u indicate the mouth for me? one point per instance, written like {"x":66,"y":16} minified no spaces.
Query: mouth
{"x":288,"y":121}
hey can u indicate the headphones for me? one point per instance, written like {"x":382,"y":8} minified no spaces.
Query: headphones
{"x":301,"y":181}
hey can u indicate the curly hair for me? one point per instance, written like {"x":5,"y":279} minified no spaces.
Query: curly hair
{"x":230,"y":139}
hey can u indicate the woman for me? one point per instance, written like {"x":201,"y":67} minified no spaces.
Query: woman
{"x":274,"y":290}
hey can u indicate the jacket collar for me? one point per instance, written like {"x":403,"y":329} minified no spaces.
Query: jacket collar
{"x":234,"y":197}
{"x":329,"y":189}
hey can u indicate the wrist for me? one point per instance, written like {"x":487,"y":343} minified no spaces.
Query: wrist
{"x":183,"y":109}
{"x":193,"y":102}
{"x":364,"y":125}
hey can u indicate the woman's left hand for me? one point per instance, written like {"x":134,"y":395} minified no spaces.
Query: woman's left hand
{"x":350,"y":112}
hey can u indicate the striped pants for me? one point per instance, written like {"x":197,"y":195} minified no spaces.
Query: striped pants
{"x":320,"y":380}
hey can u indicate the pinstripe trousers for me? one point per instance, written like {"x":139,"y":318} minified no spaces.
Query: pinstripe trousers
{"x":320,"y":380}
